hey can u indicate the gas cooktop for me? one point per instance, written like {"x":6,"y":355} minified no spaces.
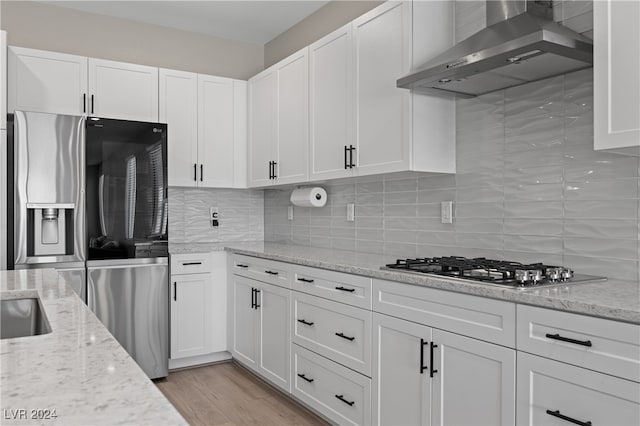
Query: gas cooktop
{"x":490,"y":271}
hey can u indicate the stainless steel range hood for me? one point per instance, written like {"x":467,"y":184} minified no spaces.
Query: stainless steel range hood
{"x":521,"y":44}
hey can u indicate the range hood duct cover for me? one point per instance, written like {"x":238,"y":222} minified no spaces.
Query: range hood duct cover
{"x":522,"y":44}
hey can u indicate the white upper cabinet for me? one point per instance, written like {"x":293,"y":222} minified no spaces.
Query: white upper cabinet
{"x":262,"y":133}
{"x":178,"y":101}
{"x":123,"y":91}
{"x":44,"y":81}
{"x":382,"y":40}
{"x":616,"y":70}
{"x":331,"y":105}
{"x":292,"y":130}
{"x":3,"y":79}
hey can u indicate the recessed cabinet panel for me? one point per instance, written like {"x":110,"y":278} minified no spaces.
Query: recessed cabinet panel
{"x":274,"y":343}
{"x":44,"y":81}
{"x":261,"y":127}
{"x":244,"y":328}
{"x":190,"y":315}
{"x":178,"y":100}
{"x":123,"y":91}
{"x":215,"y":132}
{"x":331,"y":108}
{"x":382,"y":54}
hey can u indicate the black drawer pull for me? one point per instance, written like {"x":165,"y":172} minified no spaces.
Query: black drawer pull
{"x":350,"y":290}
{"x":351,"y":339}
{"x":257,"y":298}
{"x":270,"y":272}
{"x":433,"y":370}
{"x":303,"y":377}
{"x":191,"y":263}
{"x":240,"y":265}
{"x":569,"y":340}
{"x":341,"y":398}
{"x":422,"y":366}
{"x":306,"y":322}
{"x":305,"y":280}
{"x":567,"y":418}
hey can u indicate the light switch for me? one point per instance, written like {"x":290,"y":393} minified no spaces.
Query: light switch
{"x":446,"y":209}
{"x":351,"y":212}
{"x":290,"y":213}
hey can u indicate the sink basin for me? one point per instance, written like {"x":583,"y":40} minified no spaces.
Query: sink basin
{"x":22,"y":317}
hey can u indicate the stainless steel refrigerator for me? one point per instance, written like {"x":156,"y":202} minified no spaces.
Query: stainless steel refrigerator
{"x":90,"y":199}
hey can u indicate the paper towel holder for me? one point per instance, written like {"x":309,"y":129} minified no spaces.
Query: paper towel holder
{"x":309,"y":197}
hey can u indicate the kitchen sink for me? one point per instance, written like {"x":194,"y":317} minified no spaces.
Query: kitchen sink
{"x":22,"y":317}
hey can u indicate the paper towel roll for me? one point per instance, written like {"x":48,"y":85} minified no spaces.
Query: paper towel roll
{"x":309,"y":197}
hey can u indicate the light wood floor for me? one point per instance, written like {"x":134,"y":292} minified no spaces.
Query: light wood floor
{"x":227,"y":394}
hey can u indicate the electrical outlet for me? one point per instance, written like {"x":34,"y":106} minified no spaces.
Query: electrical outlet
{"x":290,"y":213}
{"x":214,"y":217}
{"x":446,"y":212}
{"x":351,"y":212}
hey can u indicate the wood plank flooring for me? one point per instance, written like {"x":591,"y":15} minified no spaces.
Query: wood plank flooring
{"x":227,"y":394}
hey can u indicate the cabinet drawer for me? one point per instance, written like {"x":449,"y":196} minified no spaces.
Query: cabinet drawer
{"x":554,"y":393}
{"x":609,"y":346}
{"x":478,"y":317}
{"x":350,"y":289}
{"x":268,"y":271}
{"x":192,"y":263}
{"x":342,"y":395}
{"x":337,"y":331}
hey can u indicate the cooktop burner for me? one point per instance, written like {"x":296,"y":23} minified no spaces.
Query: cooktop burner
{"x":490,"y":271}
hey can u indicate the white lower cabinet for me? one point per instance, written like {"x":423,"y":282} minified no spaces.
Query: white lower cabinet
{"x":425,"y":376}
{"x":198,"y":308}
{"x":260,"y":329}
{"x":555,"y":393}
{"x":337,"y":392}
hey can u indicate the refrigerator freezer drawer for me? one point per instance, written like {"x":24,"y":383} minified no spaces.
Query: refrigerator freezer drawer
{"x":132,"y":301}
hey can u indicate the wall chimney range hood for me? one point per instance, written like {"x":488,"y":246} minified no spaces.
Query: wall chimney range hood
{"x":520,"y":44}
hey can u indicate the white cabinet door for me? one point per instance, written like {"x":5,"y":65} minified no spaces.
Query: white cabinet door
{"x":240,"y":134}
{"x":401,"y":393}
{"x":47,"y":82}
{"x":190,"y":315}
{"x":474,"y":382}
{"x":178,"y":101}
{"x":616,"y":67}
{"x":244,"y":327}
{"x":554,"y":393}
{"x":3,"y":80}
{"x":123,"y":91}
{"x":262,"y":92}
{"x":331,"y":104}
{"x":215,"y":132}
{"x":274,"y":338}
{"x":382,"y":40}
{"x":293,"y":118}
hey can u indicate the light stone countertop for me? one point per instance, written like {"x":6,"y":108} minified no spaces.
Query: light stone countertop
{"x":611,"y":299}
{"x":187,"y":248}
{"x":79,"y":369}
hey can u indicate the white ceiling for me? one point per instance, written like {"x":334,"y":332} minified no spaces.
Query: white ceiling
{"x":250,"y":21}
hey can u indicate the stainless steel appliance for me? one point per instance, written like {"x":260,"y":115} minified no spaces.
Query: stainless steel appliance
{"x":131,"y":298}
{"x":522,"y":43}
{"x":496,"y":272}
{"x":127,"y":265}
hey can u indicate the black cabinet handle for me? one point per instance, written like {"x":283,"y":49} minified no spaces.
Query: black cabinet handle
{"x":350,"y":290}
{"x":91,"y":104}
{"x":303,"y":377}
{"x":351,"y":148}
{"x":275,"y":170}
{"x":191,"y":263}
{"x":569,"y":340}
{"x":257,"y":298}
{"x":84,"y":102}
{"x":351,"y":339}
{"x":175,"y":291}
{"x":253,"y":298}
{"x":270,"y":272}
{"x":270,"y":175}
{"x":306,"y":322}
{"x":201,"y":172}
{"x":567,"y":418}
{"x":240,"y":265}
{"x":305,"y":280}
{"x":195,"y":172}
{"x":433,"y":370}
{"x":422,"y":366}
{"x":341,"y":398}
{"x":346,"y":166}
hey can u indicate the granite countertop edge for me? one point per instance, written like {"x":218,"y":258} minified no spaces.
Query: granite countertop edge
{"x":581,"y":298}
